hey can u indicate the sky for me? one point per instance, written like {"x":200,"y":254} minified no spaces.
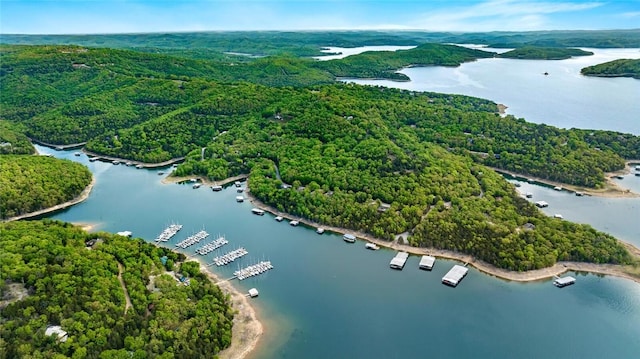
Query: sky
{"x":126,"y":16}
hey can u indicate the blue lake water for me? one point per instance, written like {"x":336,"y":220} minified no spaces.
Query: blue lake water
{"x":329,"y":299}
{"x":564,"y":98}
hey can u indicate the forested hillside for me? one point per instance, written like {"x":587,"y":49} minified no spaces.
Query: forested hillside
{"x":544,"y":53}
{"x":13,"y":141}
{"x":616,"y":68}
{"x":30,"y":183}
{"x":71,"y":278}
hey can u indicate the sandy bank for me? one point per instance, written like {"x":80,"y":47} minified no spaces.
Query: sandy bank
{"x":627,"y":272}
{"x":83,"y":196}
{"x":247,"y":329}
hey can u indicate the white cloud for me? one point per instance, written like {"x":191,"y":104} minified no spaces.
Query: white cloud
{"x":498,"y":15}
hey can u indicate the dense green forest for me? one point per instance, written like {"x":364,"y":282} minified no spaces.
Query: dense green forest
{"x":384,"y":64}
{"x":13,"y":141}
{"x":315,"y":158}
{"x":71,"y":279}
{"x":615,"y":68}
{"x":544,"y":53}
{"x":30,"y":183}
{"x":223,"y":45}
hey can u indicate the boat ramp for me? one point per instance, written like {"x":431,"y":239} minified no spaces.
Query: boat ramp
{"x":253,"y":270}
{"x":212,"y":246}
{"x":399,"y":260}
{"x":229,"y":257}
{"x":455,"y":275}
{"x":168,"y":233}
{"x":191,"y":240}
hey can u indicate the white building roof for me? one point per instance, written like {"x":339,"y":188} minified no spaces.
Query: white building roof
{"x":455,"y":274}
{"x":57,"y":330}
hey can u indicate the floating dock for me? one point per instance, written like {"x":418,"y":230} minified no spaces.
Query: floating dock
{"x":212,"y":246}
{"x":253,"y":293}
{"x":564,"y":281}
{"x":253,"y":270}
{"x":542,"y":204}
{"x":229,"y":257}
{"x":294,"y":223}
{"x":349,"y":238}
{"x":427,"y":262}
{"x":257,"y":211}
{"x":191,"y":240}
{"x":455,"y":275}
{"x":168,"y":233}
{"x":399,"y":260}
{"x":372,"y":246}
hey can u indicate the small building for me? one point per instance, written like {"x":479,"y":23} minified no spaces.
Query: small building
{"x":564,"y":281}
{"x":57,"y":331}
{"x":455,"y":275}
{"x":427,"y":262}
{"x":399,"y":260}
{"x":542,"y":204}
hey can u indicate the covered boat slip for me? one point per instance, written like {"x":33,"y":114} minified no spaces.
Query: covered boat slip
{"x":427,"y":262}
{"x":564,"y":281}
{"x":399,"y":260}
{"x":455,"y":275}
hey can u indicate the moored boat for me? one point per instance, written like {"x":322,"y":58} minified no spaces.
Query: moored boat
{"x":320,"y":230}
{"x":372,"y":246}
{"x":279,"y":218}
{"x":257,"y":211}
{"x":349,"y":238}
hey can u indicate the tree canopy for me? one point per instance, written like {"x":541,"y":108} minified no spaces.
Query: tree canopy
{"x":615,"y":68}
{"x":71,"y":279}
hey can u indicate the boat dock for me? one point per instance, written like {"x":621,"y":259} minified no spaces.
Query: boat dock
{"x":399,"y":260}
{"x":229,"y":257}
{"x":168,"y":233}
{"x":455,"y":275}
{"x":564,"y":281}
{"x":191,"y":240}
{"x":257,"y":211}
{"x":212,"y":246}
{"x":349,"y":238}
{"x":253,"y":270}
{"x":427,"y":262}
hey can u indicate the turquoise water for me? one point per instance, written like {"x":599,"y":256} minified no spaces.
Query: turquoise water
{"x":564,"y":98}
{"x":329,"y":299}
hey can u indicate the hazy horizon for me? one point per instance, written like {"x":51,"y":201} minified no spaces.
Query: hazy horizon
{"x":71,"y":17}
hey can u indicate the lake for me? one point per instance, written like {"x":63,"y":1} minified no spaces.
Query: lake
{"x":329,"y":299}
{"x":563,"y":98}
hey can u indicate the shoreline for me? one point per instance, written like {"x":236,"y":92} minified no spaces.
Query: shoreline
{"x":170,"y":179}
{"x":100,"y":157}
{"x":247,"y":329}
{"x":80,"y":198}
{"x":486,"y":268}
{"x":611,"y":190}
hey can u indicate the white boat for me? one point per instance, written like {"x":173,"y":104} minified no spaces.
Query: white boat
{"x":529,"y":195}
{"x":129,"y":163}
{"x":557,"y":188}
{"x":139,"y":166}
{"x":240,"y":190}
{"x":349,"y":238}
{"x":372,"y":246}
{"x":294,"y":223}
{"x":77,"y":154}
{"x":93,"y":159}
{"x":115,"y":162}
{"x":238,"y":184}
{"x":216,"y":188}
{"x":279,"y":218}
{"x":557,"y":215}
{"x":239,"y":199}
{"x":257,"y":211}
{"x":197,"y":185}
{"x":542,"y":204}
{"x":125,"y":233}
{"x":320,"y":230}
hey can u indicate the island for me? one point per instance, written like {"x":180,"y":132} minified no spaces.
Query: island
{"x":544,"y":53}
{"x":615,"y":68}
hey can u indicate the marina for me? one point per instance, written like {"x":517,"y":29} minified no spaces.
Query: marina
{"x":212,"y":246}
{"x":427,"y":262}
{"x":455,"y":275}
{"x":168,"y":233}
{"x":399,"y":260}
{"x":193,"y":239}
{"x":253,"y":270}
{"x":229,"y":257}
